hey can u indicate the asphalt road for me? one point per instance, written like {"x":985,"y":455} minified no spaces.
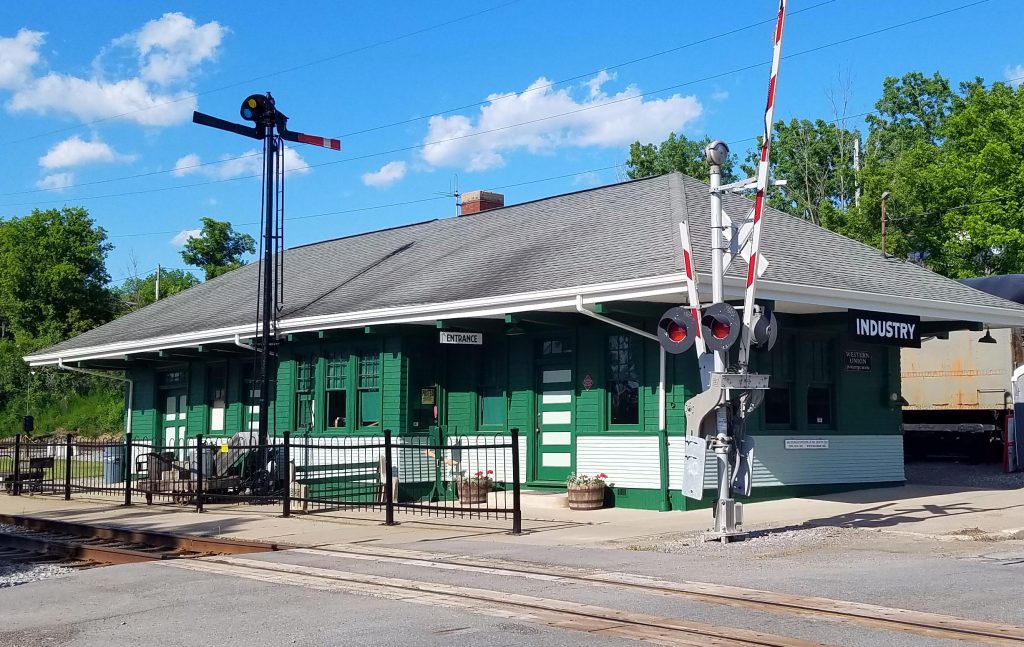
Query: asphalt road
{"x":159,"y":604}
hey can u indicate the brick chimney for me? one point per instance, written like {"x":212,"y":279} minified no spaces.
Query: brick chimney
{"x":477,"y":201}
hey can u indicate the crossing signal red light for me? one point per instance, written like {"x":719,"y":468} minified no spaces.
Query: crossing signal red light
{"x":720,"y":326}
{"x":254,"y":107}
{"x":677,"y":330}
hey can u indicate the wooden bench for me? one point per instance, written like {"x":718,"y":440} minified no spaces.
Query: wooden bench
{"x":340,"y":484}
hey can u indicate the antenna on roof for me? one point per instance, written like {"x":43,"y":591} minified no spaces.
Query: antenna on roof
{"x":453,"y":192}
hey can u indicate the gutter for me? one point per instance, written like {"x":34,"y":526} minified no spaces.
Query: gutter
{"x":131,"y":388}
{"x":838,"y":298}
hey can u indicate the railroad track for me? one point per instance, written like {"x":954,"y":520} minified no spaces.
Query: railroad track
{"x":661,"y":630}
{"x":79,"y":545}
{"x":873,"y":616}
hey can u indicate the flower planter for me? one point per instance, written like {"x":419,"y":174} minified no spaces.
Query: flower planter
{"x":474,"y":492}
{"x":586,"y":497}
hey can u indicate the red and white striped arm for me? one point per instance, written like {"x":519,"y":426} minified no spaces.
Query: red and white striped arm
{"x":762,"y":185}
{"x":691,"y":285}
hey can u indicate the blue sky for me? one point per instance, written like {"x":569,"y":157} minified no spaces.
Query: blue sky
{"x":95,"y":92}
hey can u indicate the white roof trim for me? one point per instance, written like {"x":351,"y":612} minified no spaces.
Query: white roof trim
{"x":555,"y":299}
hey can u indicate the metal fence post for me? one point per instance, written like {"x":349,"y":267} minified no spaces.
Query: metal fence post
{"x":286,"y":503}
{"x":199,"y":473}
{"x":127,"y":468}
{"x":16,"y":488}
{"x":389,"y":495}
{"x":517,"y":512}
{"x":68,"y":454}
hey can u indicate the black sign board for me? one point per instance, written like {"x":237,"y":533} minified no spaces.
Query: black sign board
{"x":884,"y":328}
{"x":857,"y":360}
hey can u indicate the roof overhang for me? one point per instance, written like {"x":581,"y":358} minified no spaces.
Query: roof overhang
{"x":652,"y":288}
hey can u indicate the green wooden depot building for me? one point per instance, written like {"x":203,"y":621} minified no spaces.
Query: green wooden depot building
{"x":373,"y":337}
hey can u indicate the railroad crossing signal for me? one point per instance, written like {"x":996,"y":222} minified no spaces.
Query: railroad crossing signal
{"x":720,"y":325}
{"x":677,"y":330}
{"x":764,"y":329}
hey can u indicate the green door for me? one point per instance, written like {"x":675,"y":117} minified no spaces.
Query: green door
{"x":174,"y":423}
{"x":552,"y":444}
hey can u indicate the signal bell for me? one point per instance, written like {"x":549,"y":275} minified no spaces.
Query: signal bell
{"x":720,"y":326}
{"x":764,"y":329}
{"x":677,"y":330}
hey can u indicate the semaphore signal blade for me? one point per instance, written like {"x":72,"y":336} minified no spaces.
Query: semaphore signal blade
{"x":313,"y":140}
{"x":222,"y":124}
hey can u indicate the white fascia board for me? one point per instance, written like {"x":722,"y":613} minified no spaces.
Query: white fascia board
{"x":559,"y":299}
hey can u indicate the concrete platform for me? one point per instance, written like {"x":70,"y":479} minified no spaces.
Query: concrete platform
{"x":944,"y":512}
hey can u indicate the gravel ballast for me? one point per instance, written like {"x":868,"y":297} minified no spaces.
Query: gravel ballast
{"x":15,"y":573}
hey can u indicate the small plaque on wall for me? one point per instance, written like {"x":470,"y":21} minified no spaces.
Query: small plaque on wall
{"x":858,"y":361}
{"x":426,"y":396}
{"x":807,"y":443}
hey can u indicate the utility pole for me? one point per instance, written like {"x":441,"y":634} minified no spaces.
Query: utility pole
{"x":271,"y":126}
{"x":157,"y":297}
{"x":885,"y":200}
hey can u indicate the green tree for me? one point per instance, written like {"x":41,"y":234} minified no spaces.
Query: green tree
{"x":218,"y":249}
{"x":677,"y":153}
{"x":816,"y":160}
{"x":138,"y":292}
{"x":53,"y":274}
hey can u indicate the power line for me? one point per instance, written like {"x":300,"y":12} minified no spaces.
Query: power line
{"x":532,"y":121}
{"x":375,"y":207}
{"x":998,"y":198}
{"x":457,"y":108}
{"x":193,"y":95}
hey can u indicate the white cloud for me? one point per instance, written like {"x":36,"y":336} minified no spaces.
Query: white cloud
{"x":248,"y":163}
{"x":387,"y":175}
{"x":17,"y":57}
{"x":172,"y":45}
{"x":168,"y":51}
{"x":75,"y":151}
{"x":622,"y":118}
{"x":1015,"y":75}
{"x":184,"y":236}
{"x":720,"y":95}
{"x":56,"y":181}
{"x":588,"y":179}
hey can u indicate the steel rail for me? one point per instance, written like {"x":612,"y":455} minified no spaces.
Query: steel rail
{"x":556,"y":613}
{"x":876,"y":616}
{"x":191,"y":543}
{"x":70,"y":549}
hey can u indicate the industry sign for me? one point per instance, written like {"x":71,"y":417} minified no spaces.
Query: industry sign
{"x":470,"y":338}
{"x":884,"y":328}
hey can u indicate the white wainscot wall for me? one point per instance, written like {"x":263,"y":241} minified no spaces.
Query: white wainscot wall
{"x":629,"y":461}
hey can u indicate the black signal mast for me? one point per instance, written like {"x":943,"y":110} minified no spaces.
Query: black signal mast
{"x":271,"y":126}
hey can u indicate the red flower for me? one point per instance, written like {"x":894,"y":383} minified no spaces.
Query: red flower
{"x":479,"y":474}
{"x":602,"y":475}
{"x":490,"y":471}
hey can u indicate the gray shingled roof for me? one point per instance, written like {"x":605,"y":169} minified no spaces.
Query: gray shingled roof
{"x":612,"y":233}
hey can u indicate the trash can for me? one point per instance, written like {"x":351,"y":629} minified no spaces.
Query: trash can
{"x":113,"y":464}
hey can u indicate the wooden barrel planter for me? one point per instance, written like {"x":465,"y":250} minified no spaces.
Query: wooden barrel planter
{"x":474,"y":492}
{"x":586,"y":497}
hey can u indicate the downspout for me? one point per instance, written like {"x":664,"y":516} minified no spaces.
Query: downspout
{"x":662,"y":426}
{"x":131,"y":387}
{"x":238,"y":342}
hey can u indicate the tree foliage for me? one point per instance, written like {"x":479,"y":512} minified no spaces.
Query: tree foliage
{"x":139,"y":292}
{"x":218,"y":249}
{"x":677,"y":153}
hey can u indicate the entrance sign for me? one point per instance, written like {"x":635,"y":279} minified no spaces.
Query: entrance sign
{"x":858,"y":361}
{"x":884,"y":328}
{"x":470,"y":338}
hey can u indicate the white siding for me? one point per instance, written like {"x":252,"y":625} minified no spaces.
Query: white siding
{"x":629,"y":461}
{"x":848,"y":459}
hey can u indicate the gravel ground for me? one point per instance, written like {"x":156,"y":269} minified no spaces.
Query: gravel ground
{"x":981,"y":475}
{"x":15,"y":573}
{"x":763,"y":543}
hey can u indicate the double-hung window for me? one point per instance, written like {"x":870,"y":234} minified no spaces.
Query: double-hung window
{"x":493,"y":406}
{"x":305,"y":385}
{"x":623,"y":380}
{"x":368,"y":387}
{"x":337,"y":390}
{"x":820,"y":384}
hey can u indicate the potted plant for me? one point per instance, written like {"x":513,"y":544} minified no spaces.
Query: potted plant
{"x":474,"y":489}
{"x":586,"y":492}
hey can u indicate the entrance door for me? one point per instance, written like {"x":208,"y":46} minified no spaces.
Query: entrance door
{"x":175,"y":411}
{"x":553,"y":441}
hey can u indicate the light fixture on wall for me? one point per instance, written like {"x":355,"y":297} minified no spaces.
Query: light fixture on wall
{"x":988,"y":338}
{"x":514,"y":330}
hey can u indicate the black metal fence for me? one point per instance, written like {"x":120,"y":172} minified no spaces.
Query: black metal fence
{"x":469,"y":476}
